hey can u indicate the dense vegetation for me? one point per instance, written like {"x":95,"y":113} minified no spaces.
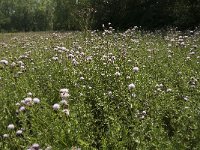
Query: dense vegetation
{"x":102,"y":90}
{"x":40,"y":15}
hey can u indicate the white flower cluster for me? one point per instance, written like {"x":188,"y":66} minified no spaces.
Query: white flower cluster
{"x":64,"y":94}
{"x":11,"y":127}
{"x":27,"y":102}
{"x":131,"y":86}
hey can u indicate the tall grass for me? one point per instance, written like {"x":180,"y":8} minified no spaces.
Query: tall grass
{"x":112,"y":105}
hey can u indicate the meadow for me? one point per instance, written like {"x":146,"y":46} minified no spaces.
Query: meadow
{"x":100,"y":90}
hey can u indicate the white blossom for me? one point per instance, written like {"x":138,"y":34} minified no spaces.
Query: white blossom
{"x":66,"y":111}
{"x":135,"y":69}
{"x":64,"y":93}
{"x":11,"y":126}
{"x":117,"y":73}
{"x":36,"y":100}
{"x":19,"y":132}
{"x":56,"y":106}
{"x":22,"y":108}
{"x":131,"y":86}
{"x":5,"y":135}
{"x":35,"y":146}
{"x":64,"y":90}
{"x":3,"y":61}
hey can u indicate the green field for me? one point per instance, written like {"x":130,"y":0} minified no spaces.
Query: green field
{"x":100,"y":90}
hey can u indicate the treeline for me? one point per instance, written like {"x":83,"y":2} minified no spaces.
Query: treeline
{"x":41,"y":15}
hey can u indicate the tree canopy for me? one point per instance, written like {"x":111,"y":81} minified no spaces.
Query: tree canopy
{"x":41,"y":15}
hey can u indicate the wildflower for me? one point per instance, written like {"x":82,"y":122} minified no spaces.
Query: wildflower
{"x":20,"y":63}
{"x":109,"y":60}
{"x":144,"y":112}
{"x":56,"y":106}
{"x":64,"y":90}
{"x":109,"y":93}
{"x":35,"y":146}
{"x":19,"y":132}
{"x":142,"y":117}
{"x":28,"y":101}
{"x":186,"y":98}
{"x":169,"y":90}
{"x":36,"y":100}
{"x":131,"y":86}
{"x":117,"y":73}
{"x":22,"y":67}
{"x":17,"y":104}
{"x":188,"y":58}
{"x":71,"y":56}
{"x":63,"y":48}
{"x":133,"y":95}
{"x":64,"y":93}
{"x":81,"y":78}
{"x":75,"y":62}
{"x":169,"y":45}
{"x":89,"y":58}
{"x":5,"y":135}
{"x":191,"y":53}
{"x":3,"y":61}
{"x":66,"y":111}
{"x":113,"y":58}
{"x":22,"y":108}
{"x":135,"y":69}
{"x":55,"y":58}
{"x":159,"y":89}
{"x":128,"y":77}
{"x":23,"y":101}
{"x":13,"y":64}
{"x":11,"y":126}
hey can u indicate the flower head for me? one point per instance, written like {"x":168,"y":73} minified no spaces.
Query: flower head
{"x":135,"y":69}
{"x":22,"y":108}
{"x":5,"y":135}
{"x":131,"y":86}
{"x":66,"y":111}
{"x":19,"y":132}
{"x":117,"y":73}
{"x":28,"y":101}
{"x":64,"y":90}
{"x":3,"y":61}
{"x":36,"y":100}
{"x":35,"y":146}
{"x":56,"y":106}
{"x":11,"y":126}
{"x":64,"y":93}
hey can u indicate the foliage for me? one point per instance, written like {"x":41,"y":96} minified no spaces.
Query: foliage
{"x":41,"y":15}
